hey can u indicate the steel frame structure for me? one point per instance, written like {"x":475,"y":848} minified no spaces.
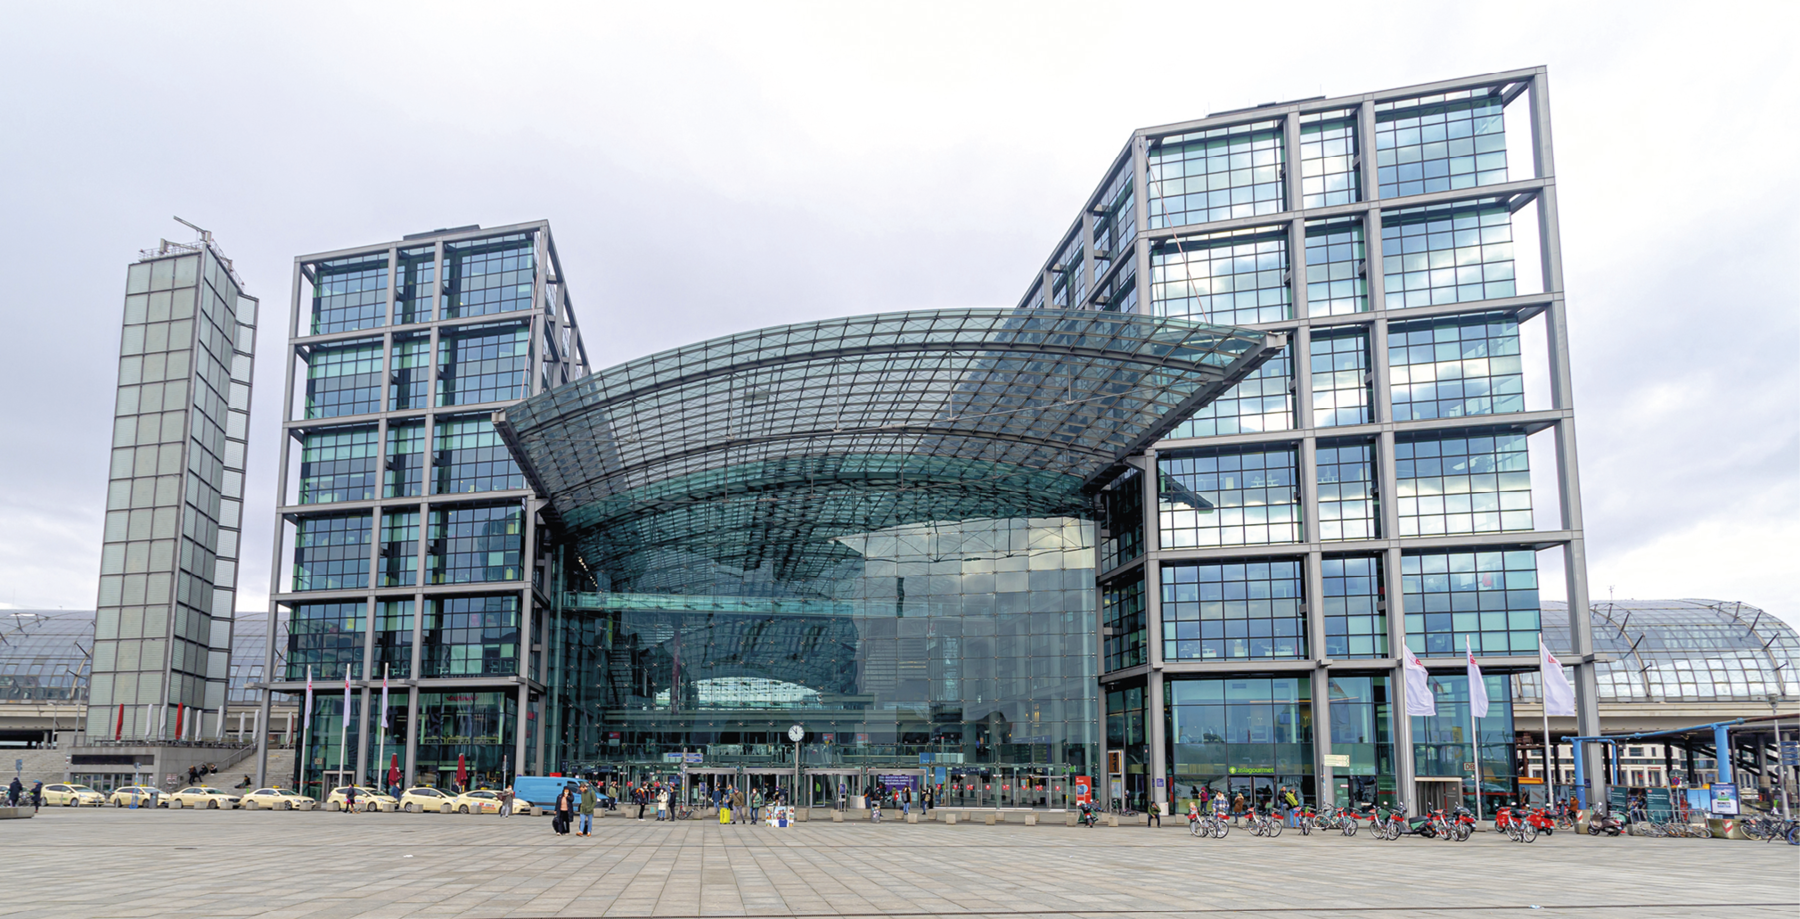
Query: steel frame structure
{"x":556,"y":351}
{"x":1085,"y":269}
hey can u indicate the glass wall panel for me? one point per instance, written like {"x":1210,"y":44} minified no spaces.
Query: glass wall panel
{"x":332,"y":553}
{"x":1228,"y":278}
{"x":1216,"y":175}
{"x":1329,"y":172}
{"x":1362,"y":728}
{"x":338,"y":464}
{"x":1336,"y":280}
{"x":349,"y":294}
{"x":1355,"y":607}
{"x":471,"y":457}
{"x":1450,"y":253}
{"x":411,"y":384}
{"x":1229,"y":497}
{"x":1477,"y":482}
{"x":1488,"y":597}
{"x":1122,"y":614}
{"x":1440,"y":143}
{"x":472,"y":729}
{"x":343,"y":379}
{"x":1232,"y":611}
{"x":1264,"y":401}
{"x":471,"y":636}
{"x":328,"y":637}
{"x":478,"y":543}
{"x":405,"y":461}
{"x":394,"y":638}
{"x":487,"y":276}
{"x":1441,"y":743}
{"x":1123,"y":510}
{"x":1455,"y":367}
{"x":1348,"y":506}
{"x":414,"y":285}
{"x":1341,"y":385}
{"x":399,"y":561}
{"x":483,"y":364}
{"x":1248,"y":735}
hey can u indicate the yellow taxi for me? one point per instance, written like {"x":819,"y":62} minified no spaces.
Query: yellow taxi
{"x":276,"y":799}
{"x":367,"y":799}
{"x":479,"y":802}
{"x":140,"y":795}
{"x":202,"y":796}
{"x":425,"y":798}
{"x":68,"y":795}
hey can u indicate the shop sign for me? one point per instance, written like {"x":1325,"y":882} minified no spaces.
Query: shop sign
{"x":1252,"y":770}
{"x":1338,"y":760}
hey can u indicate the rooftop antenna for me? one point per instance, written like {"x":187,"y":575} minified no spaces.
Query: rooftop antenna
{"x":204,"y":234}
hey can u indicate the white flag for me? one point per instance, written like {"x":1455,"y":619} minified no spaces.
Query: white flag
{"x":1559,"y":696}
{"x":1419,"y":700}
{"x":384,"y":677}
{"x":1477,"y":688}
{"x":306,"y":719}
{"x":346,"y":698}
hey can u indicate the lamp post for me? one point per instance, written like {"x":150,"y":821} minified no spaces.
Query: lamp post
{"x":1780,"y":768}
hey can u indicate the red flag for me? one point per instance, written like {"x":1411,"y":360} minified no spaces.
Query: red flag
{"x":119,"y":731}
{"x":462,"y":771}
{"x":178,"y":710}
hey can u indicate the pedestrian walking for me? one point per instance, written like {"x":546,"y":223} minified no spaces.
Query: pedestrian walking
{"x":13,"y":792}
{"x":737,"y":806}
{"x":565,"y":810}
{"x":37,"y":796}
{"x":349,"y":799}
{"x":506,"y":801}
{"x":587,"y":811}
{"x":1237,"y":807}
{"x":756,"y":805}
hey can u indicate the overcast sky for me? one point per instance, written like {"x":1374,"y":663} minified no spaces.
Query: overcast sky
{"x":722,"y":167}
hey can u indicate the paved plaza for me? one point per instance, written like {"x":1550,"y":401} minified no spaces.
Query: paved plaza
{"x":122,"y":863}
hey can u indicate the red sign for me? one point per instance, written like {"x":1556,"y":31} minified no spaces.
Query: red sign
{"x":1084,"y":790}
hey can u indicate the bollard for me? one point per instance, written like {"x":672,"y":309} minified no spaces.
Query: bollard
{"x":1031,"y":820}
{"x":1112,"y":819}
{"x":990,"y":818}
{"x":837,"y":816}
{"x":1071,"y":819}
{"x":949,"y":819}
{"x":912,"y":818}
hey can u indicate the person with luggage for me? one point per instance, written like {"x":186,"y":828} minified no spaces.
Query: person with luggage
{"x":565,"y":808}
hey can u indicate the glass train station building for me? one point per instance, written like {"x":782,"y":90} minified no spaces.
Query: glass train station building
{"x":1290,"y":392}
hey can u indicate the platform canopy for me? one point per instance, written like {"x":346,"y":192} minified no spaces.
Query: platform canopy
{"x":750,"y":455}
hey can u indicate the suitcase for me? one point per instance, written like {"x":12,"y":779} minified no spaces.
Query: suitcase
{"x":559,"y":824}
{"x":724,"y":815}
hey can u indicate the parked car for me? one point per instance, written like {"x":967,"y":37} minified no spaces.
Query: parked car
{"x":69,"y":795}
{"x":478,"y":802}
{"x":202,"y":796}
{"x":369,"y":799}
{"x":276,"y":799}
{"x":140,"y":795}
{"x":425,"y":798}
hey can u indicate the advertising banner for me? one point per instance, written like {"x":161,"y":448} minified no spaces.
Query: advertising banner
{"x":1724,"y":799}
{"x":1084,"y":790}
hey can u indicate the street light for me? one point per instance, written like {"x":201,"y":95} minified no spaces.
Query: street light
{"x":1780,"y":768}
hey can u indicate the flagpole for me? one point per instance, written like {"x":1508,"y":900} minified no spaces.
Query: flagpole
{"x":1549,"y":773}
{"x":1474,"y":730}
{"x":344,"y":726}
{"x":305,"y":730}
{"x":384,"y":705}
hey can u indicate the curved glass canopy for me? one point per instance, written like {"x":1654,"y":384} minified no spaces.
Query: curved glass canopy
{"x":756,"y":452}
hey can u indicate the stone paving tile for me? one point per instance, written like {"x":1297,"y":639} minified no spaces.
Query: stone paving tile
{"x":126,"y":865}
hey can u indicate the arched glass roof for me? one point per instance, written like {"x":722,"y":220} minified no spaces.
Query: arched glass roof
{"x":754,"y":452}
{"x":1681,"y":651}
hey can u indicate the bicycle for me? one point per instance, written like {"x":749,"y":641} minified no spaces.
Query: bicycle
{"x":1265,"y":823}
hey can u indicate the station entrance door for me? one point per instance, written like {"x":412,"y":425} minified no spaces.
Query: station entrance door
{"x":834,"y":788}
{"x":771,"y":782}
{"x":1438,"y":792}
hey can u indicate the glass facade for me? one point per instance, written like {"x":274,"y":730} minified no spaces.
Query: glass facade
{"x":1229,"y":278}
{"x":1489,"y":598}
{"x":1233,"y":611}
{"x":1229,"y":497}
{"x":1241,"y":735}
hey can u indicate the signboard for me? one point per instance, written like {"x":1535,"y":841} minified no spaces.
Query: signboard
{"x":1790,"y":753}
{"x":897,"y":782}
{"x":1657,"y":805}
{"x":1618,"y":800}
{"x":1160,"y":781}
{"x":691,"y":758}
{"x":1724,"y":799}
{"x":1115,"y":762}
{"x":1084,"y":790}
{"x":1528,"y":780}
{"x":941,"y":774}
{"x":1337,"y":760}
{"x":1118,"y":788}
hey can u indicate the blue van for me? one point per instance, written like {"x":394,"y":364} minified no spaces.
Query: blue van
{"x":541,"y":790}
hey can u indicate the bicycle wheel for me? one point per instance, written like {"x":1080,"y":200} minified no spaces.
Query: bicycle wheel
{"x":1306,"y":827}
{"x":1528,"y":831}
{"x":1274,"y":827}
{"x":1220,"y":828}
{"x":1194,"y":830}
{"x":1350,"y":828}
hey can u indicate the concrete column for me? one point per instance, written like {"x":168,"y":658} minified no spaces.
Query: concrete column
{"x":1290,"y":162}
{"x":1300,"y":352}
{"x":1140,"y":172}
{"x":1365,"y":150}
{"x":1315,"y":649}
{"x":1404,"y":768}
{"x":411,"y":759}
